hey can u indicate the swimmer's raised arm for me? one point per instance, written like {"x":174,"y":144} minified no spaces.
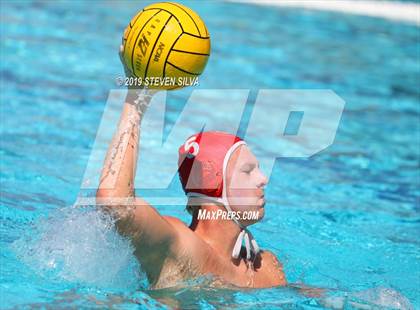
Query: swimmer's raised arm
{"x":151,"y":233}
{"x":118,"y":172}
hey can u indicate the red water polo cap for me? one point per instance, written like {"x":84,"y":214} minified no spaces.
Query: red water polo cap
{"x":203,"y":160}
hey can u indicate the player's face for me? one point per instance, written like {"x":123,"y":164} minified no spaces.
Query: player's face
{"x":245,"y":184}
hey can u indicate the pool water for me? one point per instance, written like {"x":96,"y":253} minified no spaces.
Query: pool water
{"x":346,"y":219}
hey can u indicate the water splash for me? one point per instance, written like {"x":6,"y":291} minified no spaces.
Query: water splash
{"x":382,"y":297}
{"x":373,"y":298}
{"x":80,"y":245}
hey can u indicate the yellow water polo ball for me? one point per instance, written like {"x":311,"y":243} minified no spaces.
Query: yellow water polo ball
{"x":166,"y":45}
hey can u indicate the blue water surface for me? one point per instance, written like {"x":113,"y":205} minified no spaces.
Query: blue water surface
{"x":346,"y":219}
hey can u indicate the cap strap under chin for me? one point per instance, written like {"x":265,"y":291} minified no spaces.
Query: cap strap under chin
{"x":250,"y":244}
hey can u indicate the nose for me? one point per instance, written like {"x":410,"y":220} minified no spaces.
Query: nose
{"x":262,"y":180}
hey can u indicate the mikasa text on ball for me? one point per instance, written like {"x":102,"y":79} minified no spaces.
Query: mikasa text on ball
{"x":166,"y":40}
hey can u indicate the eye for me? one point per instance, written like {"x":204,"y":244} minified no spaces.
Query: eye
{"x":247,"y":169}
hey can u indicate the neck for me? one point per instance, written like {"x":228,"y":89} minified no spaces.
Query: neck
{"x":220,"y":234}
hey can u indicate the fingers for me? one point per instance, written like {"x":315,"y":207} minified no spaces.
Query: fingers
{"x":120,"y":53}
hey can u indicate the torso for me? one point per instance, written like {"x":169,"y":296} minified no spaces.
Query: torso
{"x":196,"y":258}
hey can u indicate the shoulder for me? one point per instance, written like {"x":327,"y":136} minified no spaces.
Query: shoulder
{"x":174,"y":221}
{"x":269,"y":257}
{"x":189,"y":244}
{"x":273,"y":268}
{"x":182,"y":230}
{"x":184,"y":233}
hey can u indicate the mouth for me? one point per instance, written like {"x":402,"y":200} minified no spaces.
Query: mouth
{"x":262,"y":197}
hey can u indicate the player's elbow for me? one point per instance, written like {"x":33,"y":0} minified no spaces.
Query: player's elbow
{"x":103,"y":195}
{"x":109,"y":196}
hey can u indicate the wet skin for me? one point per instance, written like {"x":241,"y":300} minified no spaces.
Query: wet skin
{"x":170,"y":251}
